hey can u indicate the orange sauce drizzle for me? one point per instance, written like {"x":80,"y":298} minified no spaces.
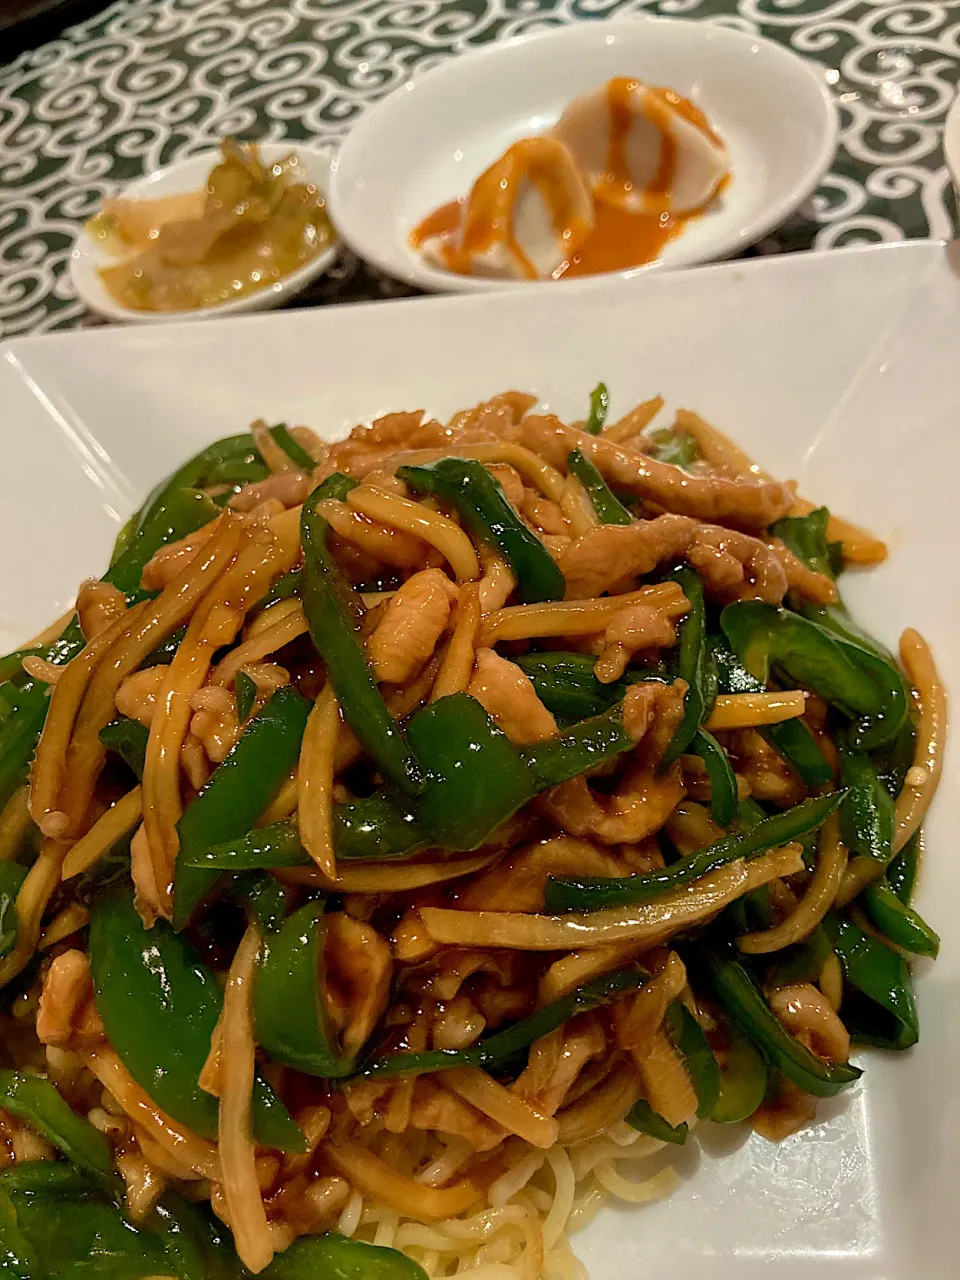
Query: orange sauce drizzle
{"x":687,"y":109}
{"x":442,"y":222}
{"x":621,"y":237}
{"x":489,"y":211}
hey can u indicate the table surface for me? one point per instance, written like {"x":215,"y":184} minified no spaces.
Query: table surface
{"x":148,"y":81}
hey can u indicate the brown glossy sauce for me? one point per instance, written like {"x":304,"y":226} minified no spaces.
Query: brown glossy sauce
{"x":621,"y":237}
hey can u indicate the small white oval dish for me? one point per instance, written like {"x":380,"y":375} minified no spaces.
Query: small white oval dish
{"x":183,"y":176}
{"x":427,"y":142}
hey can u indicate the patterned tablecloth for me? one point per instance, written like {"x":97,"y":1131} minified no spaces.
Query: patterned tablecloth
{"x":147,"y":81}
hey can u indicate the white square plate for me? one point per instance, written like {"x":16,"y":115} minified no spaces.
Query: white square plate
{"x":837,"y":369}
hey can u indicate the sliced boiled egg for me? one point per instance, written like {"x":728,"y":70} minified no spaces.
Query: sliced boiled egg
{"x":524,"y":217}
{"x":644,"y":148}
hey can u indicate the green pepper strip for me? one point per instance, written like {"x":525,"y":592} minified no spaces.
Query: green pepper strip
{"x":825,"y":653}
{"x":372,"y":828}
{"x":893,"y":761}
{"x":760,"y":634}
{"x":595,"y":893}
{"x":867,"y":815}
{"x":795,"y":742}
{"x":333,"y":615}
{"x":744,"y":1002}
{"x":46,"y":1177}
{"x":123,"y":539}
{"x":791,"y":739}
{"x":565,"y":684}
{"x":494,"y":1050}
{"x":872,"y":731}
{"x":806,"y":537}
{"x":38,"y":1103}
{"x":287,"y":585}
{"x":290,"y":584}
{"x":197,"y":1245}
{"x":723,"y":782}
{"x":261,"y":849}
{"x":691,"y":664}
{"x":262,"y":898}
{"x":234,"y":460}
{"x":159,"y":1005}
{"x":609,"y":508}
{"x":339,"y":1258}
{"x":754,"y":910}
{"x":183,"y":513}
{"x":480,"y":500}
{"x":887,"y":1014}
{"x":128,"y":738}
{"x":903,"y":870}
{"x":292,"y":448}
{"x":599,"y":407}
{"x":17,"y":1255}
{"x":476,"y":780}
{"x":203,"y":1250}
{"x":688,"y":1038}
{"x":245,"y":691}
{"x":801,"y":962}
{"x":238,"y":792}
{"x":55,"y":1222}
{"x":66,"y":1234}
{"x":677,"y":448}
{"x":336,"y":486}
{"x":900,"y":923}
{"x":289,"y":1001}
{"x":12,"y":876}
{"x":583,"y":747}
{"x":76,"y":1230}
{"x":643,"y":1117}
{"x":12,"y":663}
{"x":476,"y":777}
{"x":20,"y":731}
{"x":743,"y":1079}
{"x":165,"y":650}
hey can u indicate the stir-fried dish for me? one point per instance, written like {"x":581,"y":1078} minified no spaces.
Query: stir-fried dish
{"x":405,"y":833}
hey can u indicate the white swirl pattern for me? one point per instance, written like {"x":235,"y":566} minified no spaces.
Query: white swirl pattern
{"x":147,"y":81}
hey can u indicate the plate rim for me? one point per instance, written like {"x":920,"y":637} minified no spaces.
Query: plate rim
{"x":582,"y":285}
{"x":917,"y":257}
{"x":421,"y":276}
{"x":83,"y":251}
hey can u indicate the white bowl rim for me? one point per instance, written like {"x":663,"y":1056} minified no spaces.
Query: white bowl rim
{"x":423,"y":276}
{"x":261,"y":300}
